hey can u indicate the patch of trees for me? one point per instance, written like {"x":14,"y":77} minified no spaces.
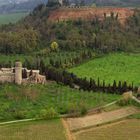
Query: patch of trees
{"x":19,"y":42}
{"x":73,"y":61}
{"x":87,"y":85}
{"x":35,"y":32}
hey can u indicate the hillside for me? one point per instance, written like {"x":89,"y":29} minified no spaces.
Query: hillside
{"x":62,"y":14}
{"x":36,"y":31}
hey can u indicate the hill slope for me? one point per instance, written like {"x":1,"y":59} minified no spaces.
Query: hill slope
{"x":90,"y":13}
{"x":107,"y":34}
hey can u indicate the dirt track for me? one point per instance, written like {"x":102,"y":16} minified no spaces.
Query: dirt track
{"x":76,"y":124}
{"x":68,"y":134}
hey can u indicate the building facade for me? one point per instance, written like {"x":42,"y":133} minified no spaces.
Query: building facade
{"x":15,"y":75}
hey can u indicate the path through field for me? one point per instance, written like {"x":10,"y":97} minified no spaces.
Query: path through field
{"x":76,"y":124}
{"x":68,"y":134}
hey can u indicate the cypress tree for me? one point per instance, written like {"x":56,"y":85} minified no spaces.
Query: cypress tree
{"x":120,"y":87}
{"x":98,"y":85}
{"x":114,"y":86}
{"x":51,"y":62}
{"x":103,"y":85}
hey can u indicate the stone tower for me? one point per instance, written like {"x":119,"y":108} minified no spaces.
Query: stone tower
{"x":18,"y":72}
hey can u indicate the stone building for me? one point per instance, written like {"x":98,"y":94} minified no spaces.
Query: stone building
{"x":15,"y":75}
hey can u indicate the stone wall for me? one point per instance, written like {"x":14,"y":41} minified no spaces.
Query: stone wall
{"x":7,"y":78}
{"x":14,"y":75}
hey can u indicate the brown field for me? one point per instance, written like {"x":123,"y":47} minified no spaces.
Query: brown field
{"x":76,"y":124}
{"x":40,"y":130}
{"x":124,"y":130}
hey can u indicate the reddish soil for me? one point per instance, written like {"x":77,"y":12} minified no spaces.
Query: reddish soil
{"x":89,"y":13}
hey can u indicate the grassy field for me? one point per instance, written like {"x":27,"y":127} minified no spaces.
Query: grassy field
{"x":39,"y":130}
{"x":11,"y":18}
{"x":129,"y":129}
{"x":118,"y":66}
{"x":28,"y":101}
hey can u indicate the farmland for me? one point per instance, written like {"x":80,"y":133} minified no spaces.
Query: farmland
{"x":11,"y":18}
{"x":21,"y":102}
{"x":102,"y":51}
{"x":116,"y":131}
{"x":118,"y":66}
{"x":39,"y":130}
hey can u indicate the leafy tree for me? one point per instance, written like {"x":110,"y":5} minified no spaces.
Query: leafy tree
{"x":54,"y":46}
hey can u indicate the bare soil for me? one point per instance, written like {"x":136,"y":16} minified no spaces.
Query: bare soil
{"x":76,"y":124}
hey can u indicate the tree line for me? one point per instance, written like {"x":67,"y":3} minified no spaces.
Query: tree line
{"x":56,"y":73}
{"x":70,"y":79}
{"x":35,"y":33}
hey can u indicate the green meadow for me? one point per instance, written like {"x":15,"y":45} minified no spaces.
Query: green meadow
{"x":118,"y":66}
{"x":28,"y":101}
{"x":11,"y":18}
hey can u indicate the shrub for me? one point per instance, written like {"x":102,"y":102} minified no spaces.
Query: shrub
{"x":54,"y":46}
{"x":73,"y":110}
{"x":124,"y":102}
{"x":138,"y":95}
{"x":48,"y":113}
{"x":83,"y":108}
{"x":76,"y":110}
{"x":19,"y":115}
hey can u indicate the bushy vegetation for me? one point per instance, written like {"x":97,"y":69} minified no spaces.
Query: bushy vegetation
{"x":30,"y":101}
{"x":87,"y":85}
{"x":57,"y":59}
{"x":36,"y":32}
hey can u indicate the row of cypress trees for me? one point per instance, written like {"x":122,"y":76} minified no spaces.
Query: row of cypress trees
{"x":62,"y":76}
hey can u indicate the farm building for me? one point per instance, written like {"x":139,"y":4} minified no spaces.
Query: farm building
{"x":20,"y":75}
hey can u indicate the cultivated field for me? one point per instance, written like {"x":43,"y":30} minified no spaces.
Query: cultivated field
{"x":124,"y":130}
{"x":39,"y":130}
{"x":118,"y":66}
{"x":80,"y":123}
{"x":11,"y":18}
{"x":27,"y":101}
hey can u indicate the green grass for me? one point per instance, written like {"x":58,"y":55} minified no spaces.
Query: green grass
{"x":118,"y":66}
{"x":135,"y":116}
{"x":39,"y":130}
{"x":27,"y":101}
{"x":11,"y":18}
